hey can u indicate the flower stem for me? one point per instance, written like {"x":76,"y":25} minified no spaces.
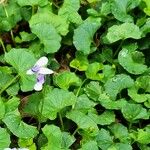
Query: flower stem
{"x":61,"y":121}
{"x":8,"y":84}
{"x":11,"y":32}
{"x":3,"y":46}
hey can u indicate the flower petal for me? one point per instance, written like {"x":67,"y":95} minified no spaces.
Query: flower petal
{"x":38,"y":86}
{"x":42,"y":61}
{"x":45,"y":71}
{"x":41,"y":78}
{"x":29,"y":71}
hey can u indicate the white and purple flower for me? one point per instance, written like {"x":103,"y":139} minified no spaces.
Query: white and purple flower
{"x":40,"y":70}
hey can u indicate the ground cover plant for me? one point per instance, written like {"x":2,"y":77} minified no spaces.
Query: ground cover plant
{"x":74,"y":74}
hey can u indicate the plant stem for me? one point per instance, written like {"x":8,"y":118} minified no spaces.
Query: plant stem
{"x":8,"y":84}
{"x":80,"y":87}
{"x":11,"y":32}
{"x":61,"y":121}
{"x":76,"y":130}
{"x":130,"y":125}
{"x":119,"y":47}
{"x":3,"y":46}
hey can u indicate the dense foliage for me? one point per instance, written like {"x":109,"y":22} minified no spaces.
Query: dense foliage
{"x":99,"y":94}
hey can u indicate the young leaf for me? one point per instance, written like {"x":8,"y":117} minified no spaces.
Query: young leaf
{"x":92,"y":71}
{"x":80,"y":62}
{"x":65,"y":79}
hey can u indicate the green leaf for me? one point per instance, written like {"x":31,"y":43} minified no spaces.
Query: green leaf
{"x":129,"y":60}
{"x":4,"y":139}
{"x":83,"y":121}
{"x":83,"y":35}
{"x":32,"y":105}
{"x":66,"y":79}
{"x":120,"y":9}
{"x":69,"y":10}
{"x":56,"y":138}
{"x":32,"y":2}
{"x":106,"y":102}
{"x":122,"y":32}
{"x":2,"y":110}
{"x":104,"y":140}
{"x":55,"y":101}
{"x":84,"y":104}
{"x":5,"y":79}
{"x":106,"y":118}
{"x":93,"y":90}
{"x":142,"y":85}
{"x":133,"y":112}
{"x":80,"y":62}
{"x":89,"y":145}
{"x":120,"y":146}
{"x":12,"y":119}
{"x":27,"y":37}
{"x":147,"y":9}
{"x":92,"y":71}
{"x":143,"y":135}
{"x":120,"y":132}
{"x":119,"y":82}
{"x":28,"y":143}
{"x":9,"y":16}
{"x":48,"y":36}
{"x":22,"y":60}
{"x":58,"y":22}
{"x":146,"y":28}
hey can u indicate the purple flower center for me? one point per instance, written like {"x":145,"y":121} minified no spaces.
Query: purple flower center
{"x":41,"y":78}
{"x":35,"y":68}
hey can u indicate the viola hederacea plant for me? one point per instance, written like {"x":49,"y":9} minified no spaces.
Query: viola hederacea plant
{"x":40,"y":70}
{"x":90,"y":87}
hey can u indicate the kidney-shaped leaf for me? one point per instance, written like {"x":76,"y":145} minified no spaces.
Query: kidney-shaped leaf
{"x":48,"y":36}
{"x":22,"y":60}
{"x":119,"y":82}
{"x":83,"y":35}
{"x":122,"y":32}
{"x":56,"y":138}
{"x":65,"y":79}
{"x":56,"y":100}
{"x":132,"y":61}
